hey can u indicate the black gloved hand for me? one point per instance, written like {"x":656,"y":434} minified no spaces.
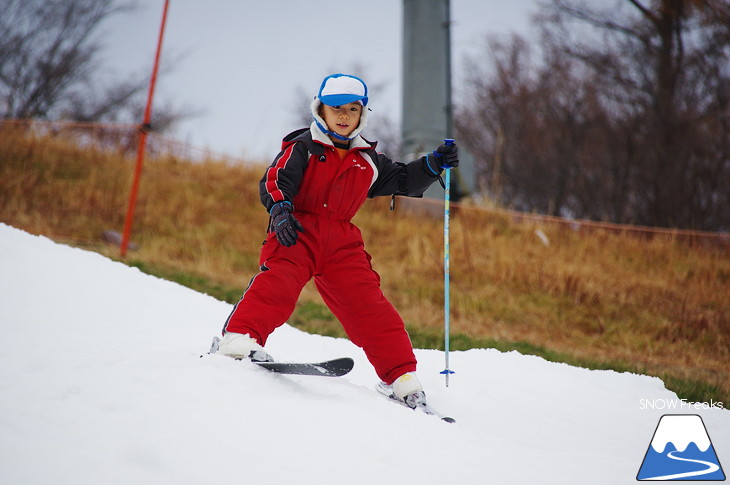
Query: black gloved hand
{"x":447,"y":156}
{"x":284,"y":224}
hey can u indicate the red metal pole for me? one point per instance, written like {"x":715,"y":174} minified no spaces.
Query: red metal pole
{"x":143,"y":139}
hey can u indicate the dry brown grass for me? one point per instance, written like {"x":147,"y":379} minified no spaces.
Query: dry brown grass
{"x":598,"y":296}
{"x":657,"y":305}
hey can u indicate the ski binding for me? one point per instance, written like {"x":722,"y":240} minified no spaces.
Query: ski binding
{"x":387,"y":391}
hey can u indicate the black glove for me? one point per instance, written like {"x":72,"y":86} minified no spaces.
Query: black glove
{"x":445,"y":156}
{"x":284,"y":224}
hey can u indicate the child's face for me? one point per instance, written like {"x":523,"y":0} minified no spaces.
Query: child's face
{"x":342,"y":119}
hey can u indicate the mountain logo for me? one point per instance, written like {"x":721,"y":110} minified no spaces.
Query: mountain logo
{"x":680,"y":450}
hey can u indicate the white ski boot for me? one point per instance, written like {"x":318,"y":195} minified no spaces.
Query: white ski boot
{"x":407,"y":390}
{"x":242,"y":346}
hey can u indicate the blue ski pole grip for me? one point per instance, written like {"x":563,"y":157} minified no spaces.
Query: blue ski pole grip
{"x":447,"y":141}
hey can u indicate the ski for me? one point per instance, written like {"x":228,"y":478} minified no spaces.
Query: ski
{"x":329,"y":368}
{"x":387,"y":391}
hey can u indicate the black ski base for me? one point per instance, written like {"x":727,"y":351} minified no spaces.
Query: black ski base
{"x":329,"y":368}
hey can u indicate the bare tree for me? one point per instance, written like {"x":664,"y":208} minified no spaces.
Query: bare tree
{"x":669,"y":61}
{"x":536,"y":123}
{"x":624,"y":118}
{"x":49,"y":64}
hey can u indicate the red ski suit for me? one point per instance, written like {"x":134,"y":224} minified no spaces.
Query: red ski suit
{"x":326,"y":191}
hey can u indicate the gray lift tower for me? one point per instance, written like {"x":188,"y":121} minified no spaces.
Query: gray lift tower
{"x":426,"y":116}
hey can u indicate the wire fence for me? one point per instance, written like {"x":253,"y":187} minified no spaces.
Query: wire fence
{"x":691,"y":237}
{"x":123,"y":138}
{"x":120,"y":137}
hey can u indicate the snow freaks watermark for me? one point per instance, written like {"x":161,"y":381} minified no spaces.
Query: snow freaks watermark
{"x":680,"y":450}
{"x":679,"y":405}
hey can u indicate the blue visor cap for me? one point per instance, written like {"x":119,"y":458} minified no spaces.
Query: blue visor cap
{"x":339,"y":89}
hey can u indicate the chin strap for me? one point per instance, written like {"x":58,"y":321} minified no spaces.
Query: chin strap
{"x":331,"y":133}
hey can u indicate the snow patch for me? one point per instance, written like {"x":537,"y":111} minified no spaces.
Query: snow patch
{"x":103,"y":382}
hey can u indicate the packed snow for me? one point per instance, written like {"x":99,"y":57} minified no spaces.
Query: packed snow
{"x":104,"y":379}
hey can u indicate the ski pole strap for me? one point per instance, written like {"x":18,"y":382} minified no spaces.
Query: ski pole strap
{"x":437,"y":155}
{"x":432,"y":171}
{"x":428,"y":164}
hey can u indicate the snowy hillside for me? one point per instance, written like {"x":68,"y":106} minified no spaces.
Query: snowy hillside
{"x":102,"y":382}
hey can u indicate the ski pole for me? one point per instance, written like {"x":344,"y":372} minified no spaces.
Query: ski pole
{"x":447,"y":292}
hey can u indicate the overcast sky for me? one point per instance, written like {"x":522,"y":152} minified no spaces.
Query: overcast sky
{"x":244,"y":63}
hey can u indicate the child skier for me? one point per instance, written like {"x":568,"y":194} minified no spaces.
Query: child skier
{"x":314,"y":187}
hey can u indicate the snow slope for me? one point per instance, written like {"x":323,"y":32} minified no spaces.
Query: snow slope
{"x":102,"y":382}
